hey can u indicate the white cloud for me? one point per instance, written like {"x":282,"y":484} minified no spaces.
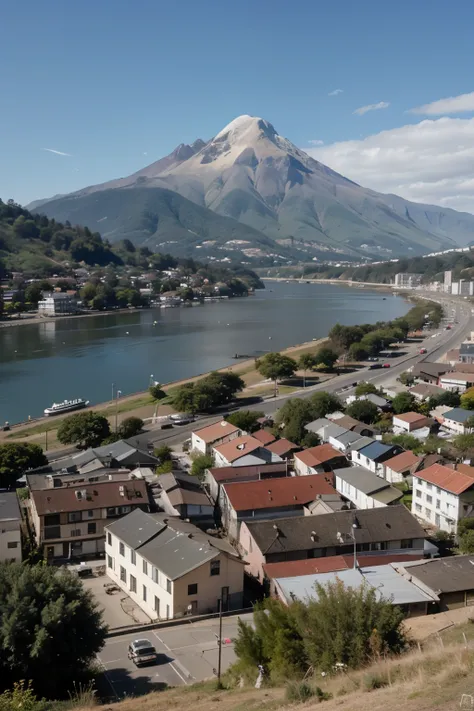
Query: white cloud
{"x":58,"y":153}
{"x":451,"y":105}
{"x":371,"y":107}
{"x":431,"y":161}
{"x":145,"y":153}
{"x":316,"y":142}
{"x":335,"y":92}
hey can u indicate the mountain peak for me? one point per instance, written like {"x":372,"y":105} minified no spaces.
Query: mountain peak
{"x":242,"y":125}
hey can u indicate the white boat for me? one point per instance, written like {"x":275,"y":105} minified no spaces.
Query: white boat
{"x":57,"y":408}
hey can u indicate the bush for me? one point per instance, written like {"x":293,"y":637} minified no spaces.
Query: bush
{"x":157,"y":392}
{"x":374,"y":681}
{"x":22,"y":698}
{"x":130,"y":427}
{"x":200,"y":464}
{"x":246,"y":420}
{"x":363,"y":410}
{"x":301,"y":691}
{"x":163,"y":453}
{"x":165,"y":467}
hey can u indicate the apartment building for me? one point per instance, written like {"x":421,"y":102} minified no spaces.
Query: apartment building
{"x":405,"y":280}
{"x":10,"y":527}
{"x":57,"y":304}
{"x":456,"y":381}
{"x":69,"y":521}
{"x":170,"y":568}
{"x":442,"y":497}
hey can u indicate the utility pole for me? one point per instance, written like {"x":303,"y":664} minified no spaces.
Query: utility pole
{"x":46,"y":442}
{"x":219,"y":643}
{"x":119,"y":392}
{"x":113,"y":386}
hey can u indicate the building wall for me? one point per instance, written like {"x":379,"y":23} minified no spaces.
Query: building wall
{"x":436,"y":506}
{"x":363,"y":461}
{"x":394,"y":477}
{"x":251,"y":553}
{"x":448,"y":383}
{"x":10,"y":541}
{"x":456,"y":427}
{"x":355,"y":496}
{"x":206,"y":448}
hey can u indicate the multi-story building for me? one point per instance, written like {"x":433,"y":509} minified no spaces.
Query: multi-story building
{"x":170,"y":568}
{"x":405,"y":280}
{"x":443,"y":496}
{"x":205,"y":439}
{"x":466,"y":353}
{"x":454,"y":420}
{"x":456,"y":382}
{"x":69,"y":521}
{"x":364,"y":489}
{"x":448,"y":280}
{"x":10,"y":527}
{"x":57,"y":304}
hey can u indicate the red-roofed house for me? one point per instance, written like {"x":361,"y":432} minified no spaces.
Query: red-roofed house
{"x":410,"y":421}
{"x":264,"y":437}
{"x":316,"y":460}
{"x":443,"y":496}
{"x":204,"y":439}
{"x":398,"y":468}
{"x":276,"y":498}
{"x":243,"y":452}
{"x":284,"y":448}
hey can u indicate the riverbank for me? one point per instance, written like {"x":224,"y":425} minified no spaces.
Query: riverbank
{"x":338,"y":282}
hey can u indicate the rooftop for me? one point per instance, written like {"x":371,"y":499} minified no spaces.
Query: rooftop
{"x":295,"y":568}
{"x":318,"y":424}
{"x":443,"y":575}
{"x":375,"y":450}
{"x":264,"y":437}
{"x":363,"y":480}
{"x":361,"y":443}
{"x":433,"y":369}
{"x":218,"y":430}
{"x":222,"y":474}
{"x":90,"y":496}
{"x":459,"y":377}
{"x":238,"y":447}
{"x":274,"y":493}
{"x":450,"y":480}
{"x":282,"y":446}
{"x":410,"y":417}
{"x":402,"y":462}
{"x":347,"y":422}
{"x":424,"y":389}
{"x":183,"y":489}
{"x":9,"y":507}
{"x":457,"y":414}
{"x":317,"y":455}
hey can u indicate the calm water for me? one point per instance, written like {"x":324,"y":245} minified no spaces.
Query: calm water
{"x":82,"y":357}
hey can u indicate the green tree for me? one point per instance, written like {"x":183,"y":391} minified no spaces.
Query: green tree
{"x":157,"y":392}
{"x":464,"y":443}
{"x":404,"y":402}
{"x":47,"y":621}
{"x":246,"y":419}
{"x":326,"y":358}
{"x":358,"y":352}
{"x":87,"y":429}
{"x":467,"y":399}
{"x":465,"y":524}
{"x":363,"y":410}
{"x":407,"y":441}
{"x":466,"y":543}
{"x":406,"y":378}
{"x":292,"y":417}
{"x":200,"y":464}
{"x":33,"y":293}
{"x":129,"y":427}
{"x":183,"y":398}
{"x":306,"y":361}
{"x":163,"y":453}
{"x":88,"y":292}
{"x":276,"y":366}
{"x":364,"y":388}
{"x":323,"y":403}
{"x":16,"y":458}
{"x":445,"y":398}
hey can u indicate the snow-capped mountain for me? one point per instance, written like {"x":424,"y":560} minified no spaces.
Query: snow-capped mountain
{"x":254,"y":176}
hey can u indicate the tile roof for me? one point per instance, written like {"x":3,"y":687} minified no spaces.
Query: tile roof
{"x":465,"y":469}
{"x":443,"y":575}
{"x":238,"y":447}
{"x":97,"y":495}
{"x":391,"y":523}
{"x":447,"y":479}
{"x":433,"y":369}
{"x":183,"y":489}
{"x":293,"y":568}
{"x":217,"y":431}
{"x":410,"y":417}
{"x":264,"y":437}
{"x":461,"y":377}
{"x":282,"y":446}
{"x":402,"y":462}
{"x":271,"y":494}
{"x":317,"y":455}
{"x":375,"y":450}
{"x":458,"y":414}
{"x":222,"y":474}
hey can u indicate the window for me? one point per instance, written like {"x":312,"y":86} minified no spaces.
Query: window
{"x":155,"y":575}
{"x":157,"y":605}
{"x":438,"y":504}
{"x":215,"y":567}
{"x":52,"y":532}
{"x":418,"y":508}
{"x":133,"y":584}
{"x":122,"y":549}
{"x":429,"y":499}
{"x":74,"y":516}
{"x":109,"y":538}
{"x":429,"y":486}
{"x":418,"y":494}
{"x":193,"y":589}
{"x":428,"y":513}
{"x":168,"y":586}
{"x":123,"y":574}
{"x":382,"y":546}
{"x":125,"y":509}
{"x":437,"y":519}
{"x":144,"y":594}
{"x":91,"y":528}
{"x":167,"y":612}
{"x":75,"y":532}
{"x":133,"y":557}
{"x":110,"y":562}
{"x":406,"y":543}
{"x":52,"y":520}
{"x":90,"y":514}
{"x":438,"y":490}
{"x":12,"y":544}
{"x":145,"y":567}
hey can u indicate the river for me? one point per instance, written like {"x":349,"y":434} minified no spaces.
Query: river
{"x":82,"y":357}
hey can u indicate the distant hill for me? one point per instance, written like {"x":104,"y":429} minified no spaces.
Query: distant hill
{"x":254,"y":177}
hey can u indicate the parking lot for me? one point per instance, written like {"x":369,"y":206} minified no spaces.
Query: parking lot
{"x":190,"y":653}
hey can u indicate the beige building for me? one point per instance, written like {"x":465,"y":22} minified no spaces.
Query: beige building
{"x":170,"y":568}
{"x":69,"y":521}
{"x":10,"y":522}
{"x":204,"y":439}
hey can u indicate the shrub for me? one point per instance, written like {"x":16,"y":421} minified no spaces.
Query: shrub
{"x":374,"y":681}
{"x":301,"y":691}
{"x":163,"y":453}
{"x":130,"y":427}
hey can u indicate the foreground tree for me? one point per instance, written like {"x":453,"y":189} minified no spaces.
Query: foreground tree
{"x":276,"y":366}
{"x":16,"y":458}
{"x":50,"y":628}
{"x":467,"y":399}
{"x":464,"y":443}
{"x":129,"y":427}
{"x":404,"y":402}
{"x":357,"y":352}
{"x":363,"y":410}
{"x":323,"y":403}
{"x":157,"y":392}
{"x":246,"y":419}
{"x":213,"y":391}
{"x":87,"y":429}
{"x":292,"y":418}
{"x":326,"y":358}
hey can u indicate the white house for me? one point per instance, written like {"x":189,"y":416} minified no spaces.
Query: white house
{"x":442,"y":496}
{"x":364,"y":489}
{"x":56,"y":304}
{"x":401,"y":466}
{"x":459,"y":382}
{"x":243,"y":452}
{"x":410,"y":421}
{"x":170,"y":568}
{"x":454,"y":421}
{"x":373,"y":456}
{"x":204,"y":439}
{"x":10,"y":521}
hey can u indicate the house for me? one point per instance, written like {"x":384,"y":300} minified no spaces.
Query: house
{"x":117,"y":454}
{"x":10,"y":527}
{"x":384,"y":580}
{"x":443,"y":496}
{"x":255,"y":500}
{"x":456,"y":382}
{"x":399,"y":468}
{"x":53,"y":480}
{"x":205,"y":439}
{"x":391,"y":529}
{"x":344,"y":421}
{"x":410,"y":421}
{"x":454,"y":420}
{"x":182,"y":495}
{"x":451,"y":579}
{"x":170,"y":568}
{"x":360,"y":444}
{"x":429,"y":372}
{"x":326,"y":503}
{"x":380,"y":402}
{"x":264,"y":437}
{"x":283,"y":448}
{"x":215,"y":477}
{"x":317,"y":426}
{"x":57,"y":304}
{"x":344,"y":442}
{"x":317,"y":460}
{"x":466,"y":353}
{"x":69,"y":521}
{"x":364,"y":489}
{"x":243,"y":452}
{"x":374,"y":455}
{"x":423,"y":391}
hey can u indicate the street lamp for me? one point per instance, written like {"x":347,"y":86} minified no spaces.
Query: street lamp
{"x":119,"y":392}
{"x":152,"y":379}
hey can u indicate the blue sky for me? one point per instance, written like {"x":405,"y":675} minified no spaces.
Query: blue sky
{"x":117,"y":84}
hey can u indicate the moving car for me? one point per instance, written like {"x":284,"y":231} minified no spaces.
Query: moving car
{"x":141,"y":651}
{"x":386,"y":365}
{"x":375,"y":366}
{"x":422,"y":351}
{"x":182,"y":418}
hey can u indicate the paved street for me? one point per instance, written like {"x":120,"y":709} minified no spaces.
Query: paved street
{"x":190,"y":653}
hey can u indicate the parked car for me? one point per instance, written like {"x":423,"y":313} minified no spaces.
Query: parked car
{"x":141,"y":651}
{"x":375,"y":366}
{"x":373,"y":358}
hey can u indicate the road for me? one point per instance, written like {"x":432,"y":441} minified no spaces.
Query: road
{"x":189,"y":652}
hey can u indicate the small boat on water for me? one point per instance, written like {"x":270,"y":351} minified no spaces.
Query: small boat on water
{"x":58,"y":408}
